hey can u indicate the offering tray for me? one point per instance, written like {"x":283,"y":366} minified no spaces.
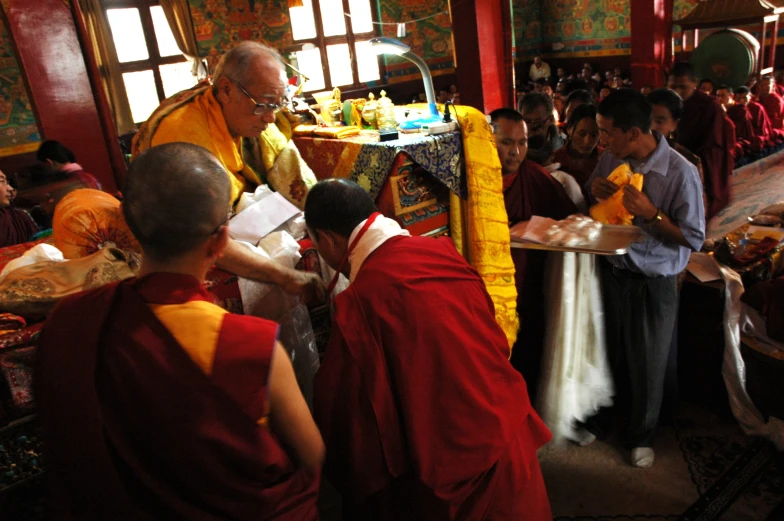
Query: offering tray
{"x":613,"y":240}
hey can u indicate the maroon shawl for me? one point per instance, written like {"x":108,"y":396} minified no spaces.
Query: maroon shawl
{"x":16,"y":226}
{"x":580,"y":168}
{"x":423,"y":417}
{"x":135,"y":430}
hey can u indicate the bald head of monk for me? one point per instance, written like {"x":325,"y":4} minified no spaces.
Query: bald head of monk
{"x":682,"y":80}
{"x":176,"y":203}
{"x":333,"y":209}
{"x":511,"y":139}
{"x":249,"y":83}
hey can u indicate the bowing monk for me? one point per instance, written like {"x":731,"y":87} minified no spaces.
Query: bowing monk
{"x":703,"y":130}
{"x":235,"y":118}
{"x":422,"y":414}
{"x":16,"y":226}
{"x":528,"y":190}
{"x":157,"y":404}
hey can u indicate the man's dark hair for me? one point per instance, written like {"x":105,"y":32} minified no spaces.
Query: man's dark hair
{"x":337,"y":205}
{"x":532,"y":100}
{"x":743,"y":90}
{"x":683,"y":69}
{"x":505,"y":113}
{"x":724,"y":87}
{"x":705,"y":80}
{"x":670,"y":100}
{"x":541,"y":81}
{"x":586,"y":110}
{"x":55,"y":151}
{"x":579,"y":95}
{"x":575,"y":85}
{"x":628,"y":109}
{"x":176,"y":195}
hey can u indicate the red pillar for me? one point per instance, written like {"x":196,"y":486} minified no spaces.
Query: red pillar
{"x":480,"y":53}
{"x":51,"y":58}
{"x":651,"y":41}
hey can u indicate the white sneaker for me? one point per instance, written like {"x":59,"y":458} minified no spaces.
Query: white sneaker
{"x":642,"y":457}
{"x":583,"y":437}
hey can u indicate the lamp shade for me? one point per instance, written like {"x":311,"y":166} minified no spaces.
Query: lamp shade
{"x":387,"y":45}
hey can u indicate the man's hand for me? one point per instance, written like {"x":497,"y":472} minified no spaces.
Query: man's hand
{"x":638,"y":204}
{"x":602,"y":188}
{"x":308,"y":286}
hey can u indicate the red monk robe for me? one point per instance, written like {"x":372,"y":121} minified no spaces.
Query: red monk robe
{"x":423,"y":417}
{"x":747,"y":139}
{"x":16,"y":226}
{"x":774,"y":107}
{"x":762,"y":124}
{"x":135,"y":427}
{"x":532,"y":191}
{"x":703,"y":131}
{"x":580,"y":168}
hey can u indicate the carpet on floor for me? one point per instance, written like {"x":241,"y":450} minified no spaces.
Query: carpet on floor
{"x":706,"y":469}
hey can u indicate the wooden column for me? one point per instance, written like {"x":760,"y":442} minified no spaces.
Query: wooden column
{"x":480,"y":52}
{"x":51,"y":59}
{"x":651,"y":41}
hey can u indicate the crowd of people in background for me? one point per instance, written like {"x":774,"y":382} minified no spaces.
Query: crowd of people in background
{"x":750,"y":126}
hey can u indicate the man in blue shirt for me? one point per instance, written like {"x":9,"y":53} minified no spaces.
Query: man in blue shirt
{"x":639,"y":288}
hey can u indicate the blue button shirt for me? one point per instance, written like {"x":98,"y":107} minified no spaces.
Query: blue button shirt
{"x":673,"y":185}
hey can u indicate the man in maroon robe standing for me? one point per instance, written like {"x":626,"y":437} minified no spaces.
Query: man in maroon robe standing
{"x":528,"y":190}
{"x":423,"y":417}
{"x":702,"y":130}
{"x":156,"y":403}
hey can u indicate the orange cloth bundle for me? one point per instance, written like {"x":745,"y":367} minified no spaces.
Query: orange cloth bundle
{"x":86,"y":221}
{"x":612,"y":210}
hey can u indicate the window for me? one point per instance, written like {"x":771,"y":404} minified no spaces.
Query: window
{"x":153,"y":67}
{"x":332,"y":49}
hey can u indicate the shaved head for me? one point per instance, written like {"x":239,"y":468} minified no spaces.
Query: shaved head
{"x":337,"y":205}
{"x":241,"y":61}
{"x":176,"y":195}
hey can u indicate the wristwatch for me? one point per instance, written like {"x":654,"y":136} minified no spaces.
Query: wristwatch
{"x":656,"y":218}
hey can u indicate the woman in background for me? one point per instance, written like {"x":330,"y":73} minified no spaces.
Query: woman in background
{"x":581,"y":153}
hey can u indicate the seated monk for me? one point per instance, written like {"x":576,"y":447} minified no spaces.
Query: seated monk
{"x":16,"y":226}
{"x":157,"y":404}
{"x":528,"y":190}
{"x":703,"y":130}
{"x":235,"y":119}
{"x":423,"y":417}
{"x":772,"y":102}
{"x":760,"y":121}
{"x":62,"y":162}
{"x":747,"y":141}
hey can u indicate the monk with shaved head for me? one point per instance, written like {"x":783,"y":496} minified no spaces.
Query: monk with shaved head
{"x":182,"y":410}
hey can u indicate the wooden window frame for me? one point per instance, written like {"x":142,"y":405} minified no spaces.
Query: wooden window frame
{"x":321,"y":42}
{"x":154,"y":61}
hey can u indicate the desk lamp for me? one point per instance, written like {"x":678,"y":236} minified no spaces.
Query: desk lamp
{"x":386,"y":45}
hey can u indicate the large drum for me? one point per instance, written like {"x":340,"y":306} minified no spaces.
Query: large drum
{"x":727,"y":57}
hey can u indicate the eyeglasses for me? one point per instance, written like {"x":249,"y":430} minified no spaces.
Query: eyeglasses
{"x":262,"y":108}
{"x":534,"y":125}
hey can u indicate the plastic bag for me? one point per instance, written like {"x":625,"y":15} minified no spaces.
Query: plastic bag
{"x":271,"y":302}
{"x":38,"y":253}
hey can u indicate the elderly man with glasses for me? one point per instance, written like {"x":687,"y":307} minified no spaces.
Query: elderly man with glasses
{"x":236,"y":118}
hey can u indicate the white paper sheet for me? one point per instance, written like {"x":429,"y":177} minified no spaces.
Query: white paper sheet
{"x":259,"y":219}
{"x":704,"y":267}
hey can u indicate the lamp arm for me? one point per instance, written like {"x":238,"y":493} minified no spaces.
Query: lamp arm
{"x":426,"y":77}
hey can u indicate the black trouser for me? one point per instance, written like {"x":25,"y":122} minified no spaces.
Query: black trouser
{"x":640,"y":316}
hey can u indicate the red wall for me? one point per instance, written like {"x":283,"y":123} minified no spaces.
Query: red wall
{"x":51,"y":58}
